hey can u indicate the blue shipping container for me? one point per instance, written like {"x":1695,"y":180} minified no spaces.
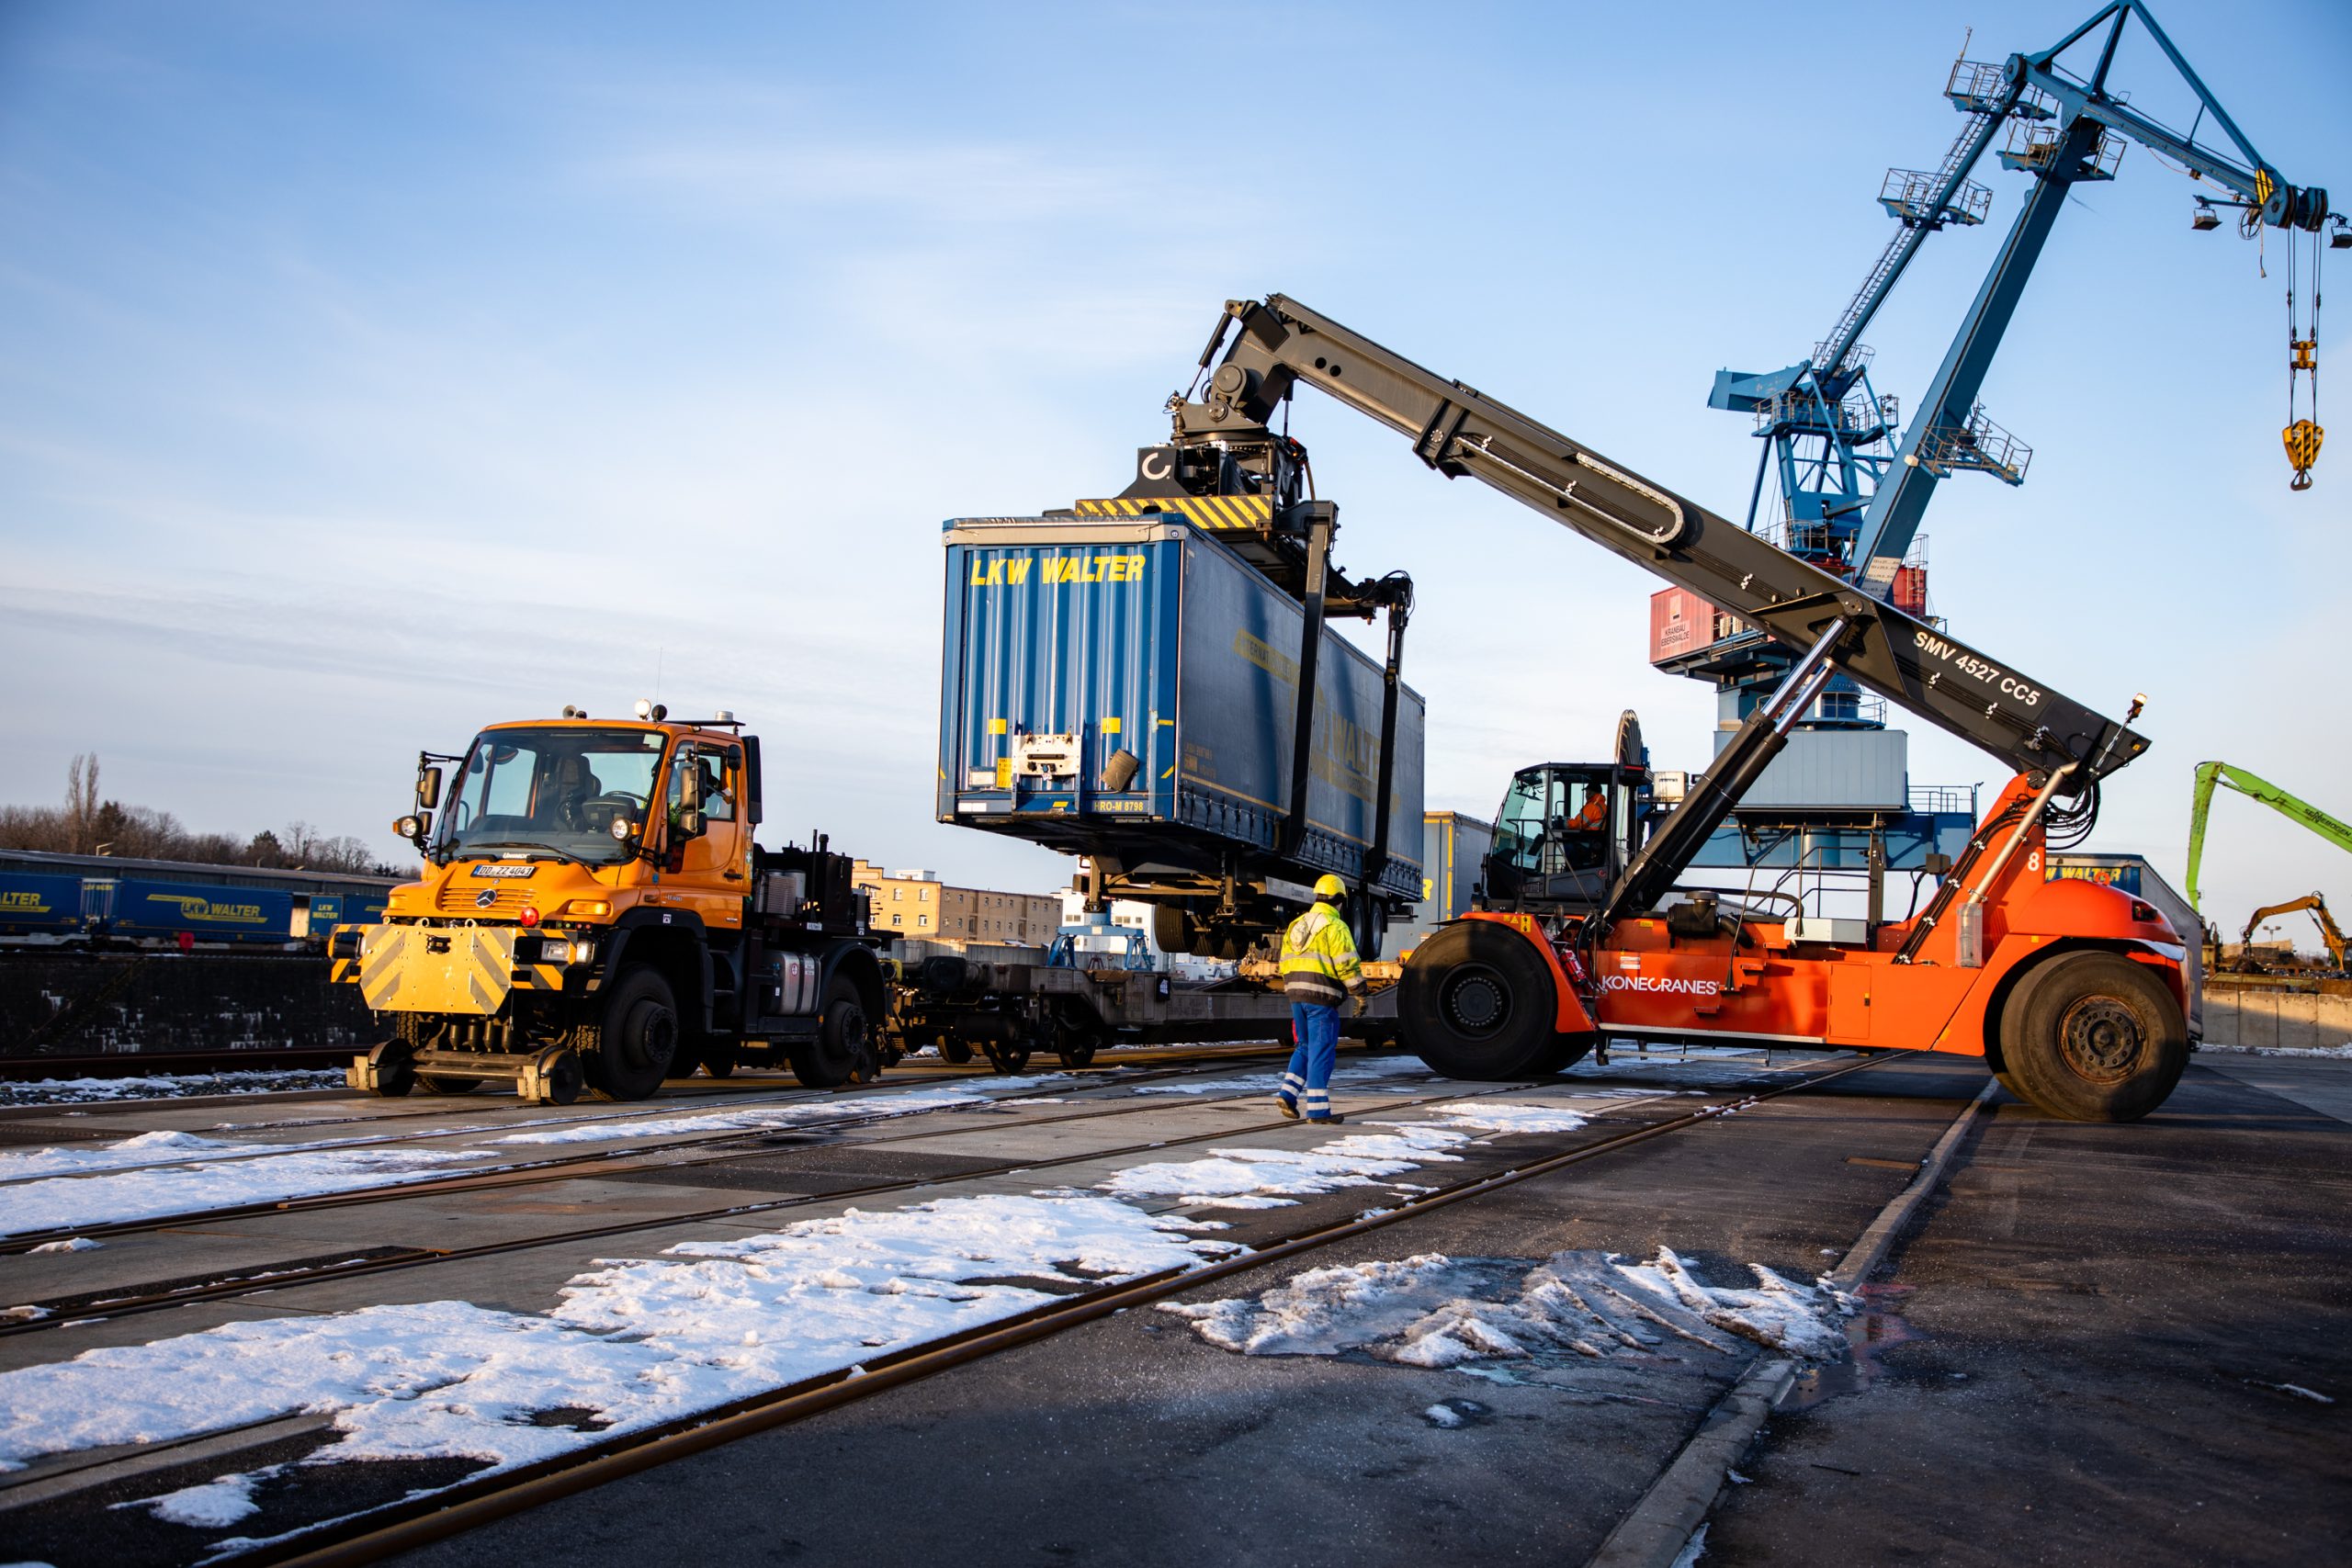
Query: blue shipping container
{"x":1129,"y":689}
{"x":35,"y":902}
{"x":213,"y":912}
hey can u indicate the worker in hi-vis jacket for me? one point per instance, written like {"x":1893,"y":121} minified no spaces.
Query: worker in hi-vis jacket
{"x":1320,"y":969}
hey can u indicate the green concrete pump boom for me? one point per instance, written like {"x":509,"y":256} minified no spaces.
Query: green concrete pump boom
{"x":2263,"y":790}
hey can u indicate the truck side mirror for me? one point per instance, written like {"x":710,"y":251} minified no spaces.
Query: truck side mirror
{"x":428,"y":788}
{"x":691,"y":822}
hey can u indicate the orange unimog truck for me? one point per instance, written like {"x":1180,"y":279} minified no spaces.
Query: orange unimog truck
{"x":594,"y":914}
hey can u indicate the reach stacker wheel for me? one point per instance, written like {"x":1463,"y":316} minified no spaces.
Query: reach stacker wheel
{"x":637,"y":1039}
{"x":2093,"y":1037}
{"x":1478,"y":1002}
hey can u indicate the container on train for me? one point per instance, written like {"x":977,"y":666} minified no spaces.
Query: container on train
{"x":1453,"y":859}
{"x":211,"y":911}
{"x":32,"y":904}
{"x":1129,"y":689}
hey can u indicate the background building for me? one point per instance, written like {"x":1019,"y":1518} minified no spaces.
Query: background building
{"x":916,"y":903}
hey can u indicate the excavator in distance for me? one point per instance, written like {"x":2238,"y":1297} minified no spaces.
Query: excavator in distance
{"x":2329,"y":932}
{"x":2072,"y":992}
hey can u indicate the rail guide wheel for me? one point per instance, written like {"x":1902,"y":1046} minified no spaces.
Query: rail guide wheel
{"x":388,"y":1070}
{"x":554,"y":1078}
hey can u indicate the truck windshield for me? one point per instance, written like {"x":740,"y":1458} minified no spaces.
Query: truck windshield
{"x":559,"y":790}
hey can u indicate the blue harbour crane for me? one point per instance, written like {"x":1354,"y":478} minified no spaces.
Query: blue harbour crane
{"x":1853,"y":481}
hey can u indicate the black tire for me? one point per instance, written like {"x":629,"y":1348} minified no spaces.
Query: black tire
{"x":1478,"y":1002}
{"x":1007,"y":1058}
{"x":843,"y":1049}
{"x":638,"y":1040}
{"x":718,"y":1058}
{"x":436,"y":1083}
{"x":2093,"y":1037}
{"x":956,"y":1053}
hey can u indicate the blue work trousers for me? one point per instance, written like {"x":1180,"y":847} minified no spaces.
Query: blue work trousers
{"x":1316,"y":1029}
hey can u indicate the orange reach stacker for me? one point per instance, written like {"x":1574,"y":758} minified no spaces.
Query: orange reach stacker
{"x":2073,"y":992}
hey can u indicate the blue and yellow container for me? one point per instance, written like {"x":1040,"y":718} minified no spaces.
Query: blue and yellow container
{"x":1129,"y":689}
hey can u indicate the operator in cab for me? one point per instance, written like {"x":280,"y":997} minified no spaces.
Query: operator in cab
{"x":1319,"y":970}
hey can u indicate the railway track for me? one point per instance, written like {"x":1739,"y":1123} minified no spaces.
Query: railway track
{"x":73,"y":1311}
{"x":372,"y":1534}
{"x":401,"y":1527}
{"x":155,"y":1064}
{"x":721,"y":1143}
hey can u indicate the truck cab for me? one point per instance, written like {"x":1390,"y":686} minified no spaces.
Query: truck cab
{"x":595,"y":912}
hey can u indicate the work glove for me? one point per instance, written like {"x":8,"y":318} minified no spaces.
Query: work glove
{"x":1356,"y":1008}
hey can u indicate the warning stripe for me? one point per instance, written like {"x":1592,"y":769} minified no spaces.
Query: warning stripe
{"x":1214,"y":512}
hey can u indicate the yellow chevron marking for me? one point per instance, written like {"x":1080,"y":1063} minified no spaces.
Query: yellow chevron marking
{"x":1220,"y":512}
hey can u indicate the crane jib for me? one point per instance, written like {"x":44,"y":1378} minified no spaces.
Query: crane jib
{"x":1911,"y":662}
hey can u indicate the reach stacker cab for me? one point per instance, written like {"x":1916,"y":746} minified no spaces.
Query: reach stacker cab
{"x":593,"y":913}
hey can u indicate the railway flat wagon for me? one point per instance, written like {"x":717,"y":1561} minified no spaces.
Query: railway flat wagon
{"x":1127,"y":692}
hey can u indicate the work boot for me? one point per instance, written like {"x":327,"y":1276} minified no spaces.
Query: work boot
{"x":1287,"y":1106}
{"x":1330,"y":1119}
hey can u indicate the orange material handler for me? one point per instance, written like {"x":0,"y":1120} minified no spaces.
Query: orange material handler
{"x":2074,"y":993}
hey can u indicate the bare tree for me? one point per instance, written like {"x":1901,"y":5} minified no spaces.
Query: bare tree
{"x":81,"y":801}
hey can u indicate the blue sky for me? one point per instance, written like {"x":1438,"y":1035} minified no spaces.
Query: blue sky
{"x":372,"y":372}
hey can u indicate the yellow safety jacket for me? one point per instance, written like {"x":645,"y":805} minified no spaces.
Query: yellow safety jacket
{"x":1319,"y":963}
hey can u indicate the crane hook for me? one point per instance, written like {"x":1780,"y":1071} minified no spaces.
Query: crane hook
{"x":2302,"y":439}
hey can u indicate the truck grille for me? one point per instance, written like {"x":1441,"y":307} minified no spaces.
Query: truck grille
{"x":462,"y":900}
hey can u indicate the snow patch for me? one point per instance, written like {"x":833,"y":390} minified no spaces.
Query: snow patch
{"x":905,"y":1102}
{"x":1373,"y":1074}
{"x":214,"y":1505}
{"x":166,"y":1085}
{"x":60,"y":1202}
{"x":635,"y":1343}
{"x":148,"y":1148}
{"x":1434,"y":1311}
{"x":2333,"y":1053}
{"x":1231,"y":1177}
{"x":75,"y":1244}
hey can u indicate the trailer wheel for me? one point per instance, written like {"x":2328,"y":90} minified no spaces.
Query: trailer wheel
{"x":955,"y":1052}
{"x":439,"y":1083}
{"x":843,"y":1049}
{"x":718,"y":1057}
{"x":639,"y":1038}
{"x":1008,"y":1059}
{"x":2093,"y":1037}
{"x":1478,"y":1002}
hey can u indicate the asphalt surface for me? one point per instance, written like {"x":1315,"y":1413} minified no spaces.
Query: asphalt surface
{"x":1132,"y":1441}
{"x":2108,"y":1323}
{"x":2088,"y":1349}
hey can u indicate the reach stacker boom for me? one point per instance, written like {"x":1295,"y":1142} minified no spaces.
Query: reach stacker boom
{"x":2073,"y":992}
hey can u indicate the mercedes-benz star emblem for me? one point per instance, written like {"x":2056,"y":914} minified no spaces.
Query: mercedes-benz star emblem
{"x":486,"y":897}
